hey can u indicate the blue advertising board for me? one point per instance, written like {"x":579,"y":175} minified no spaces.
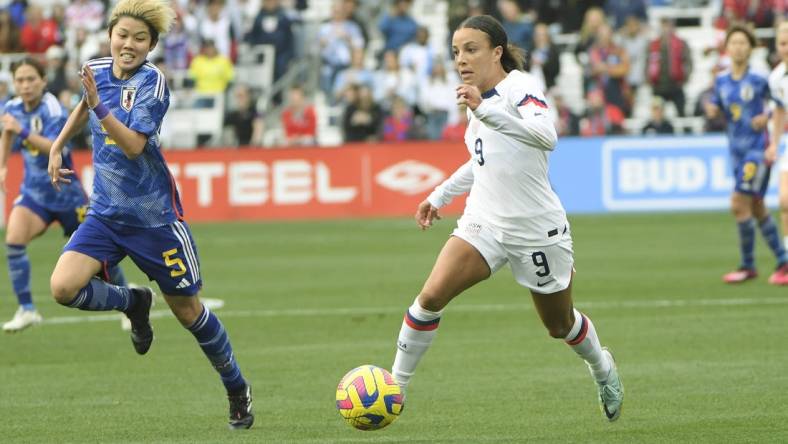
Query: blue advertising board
{"x":599,"y":175}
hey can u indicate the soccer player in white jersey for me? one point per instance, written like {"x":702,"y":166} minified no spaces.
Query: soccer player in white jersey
{"x":511,"y":215}
{"x":778,"y":84}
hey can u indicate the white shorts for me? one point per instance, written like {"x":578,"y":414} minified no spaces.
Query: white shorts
{"x":541,"y":269}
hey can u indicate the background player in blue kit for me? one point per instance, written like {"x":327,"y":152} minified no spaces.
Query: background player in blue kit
{"x":135,"y":208}
{"x":31,"y":121}
{"x":742,"y":95}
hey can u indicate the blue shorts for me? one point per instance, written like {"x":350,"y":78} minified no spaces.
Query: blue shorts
{"x":751,"y":174}
{"x":165,"y":254}
{"x":69,"y":219}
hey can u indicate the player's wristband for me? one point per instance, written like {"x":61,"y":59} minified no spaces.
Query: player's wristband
{"x":24,"y":133}
{"x":101,"y":111}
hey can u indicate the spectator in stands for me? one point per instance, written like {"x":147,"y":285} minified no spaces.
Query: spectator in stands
{"x":593,"y":19}
{"x":657,"y":124}
{"x":17,"y":9}
{"x":397,"y":26}
{"x":58,"y":15}
{"x":350,"y":9}
{"x":356,"y":74}
{"x":56,"y":70}
{"x":438,"y":99}
{"x":418,"y":54}
{"x":392,"y":81}
{"x":38,"y":33}
{"x":337,"y":38}
{"x":519,"y":26}
{"x":88,"y":14}
{"x":669,"y":66}
{"x":362,"y":118}
{"x":757,"y":12}
{"x":545,"y":61}
{"x":619,"y":10}
{"x":554,"y":12}
{"x":607,"y":69}
{"x":634,"y":40}
{"x":299,"y":119}
{"x":567,"y":123}
{"x":211,"y":71}
{"x":9,"y":34}
{"x":215,"y":25}
{"x":177,"y":46}
{"x":245,"y":122}
{"x":272,"y":26}
{"x":600,"y":119}
{"x":398,"y":124}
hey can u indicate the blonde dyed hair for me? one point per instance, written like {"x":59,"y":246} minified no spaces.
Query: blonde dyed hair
{"x":157,"y":14}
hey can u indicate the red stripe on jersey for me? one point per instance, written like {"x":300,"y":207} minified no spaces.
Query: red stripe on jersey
{"x":531,"y":99}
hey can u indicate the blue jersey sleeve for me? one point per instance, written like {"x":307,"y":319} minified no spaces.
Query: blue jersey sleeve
{"x":151,"y":104}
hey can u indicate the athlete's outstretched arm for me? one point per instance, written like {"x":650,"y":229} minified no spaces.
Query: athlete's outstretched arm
{"x":532,"y":126}
{"x":129,"y":141}
{"x":458,"y":183}
{"x":76,"y":120}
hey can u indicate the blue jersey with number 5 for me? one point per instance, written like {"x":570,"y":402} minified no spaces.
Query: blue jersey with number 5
{"x":137,"y":192}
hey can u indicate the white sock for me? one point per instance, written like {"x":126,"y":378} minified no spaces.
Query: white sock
{"x":418,"y":330}
{"x":785,"y":242}
{"x":584,"y":341}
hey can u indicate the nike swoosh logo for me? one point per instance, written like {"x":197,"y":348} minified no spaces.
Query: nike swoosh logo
{"x":542,"y":284}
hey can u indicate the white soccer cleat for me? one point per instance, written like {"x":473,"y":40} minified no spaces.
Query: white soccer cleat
{"x":611,"y":391}
{"x":22,"y":319}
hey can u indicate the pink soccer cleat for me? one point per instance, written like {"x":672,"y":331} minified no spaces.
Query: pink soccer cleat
{"x":780,"y":275}
{"x":739,"y":276}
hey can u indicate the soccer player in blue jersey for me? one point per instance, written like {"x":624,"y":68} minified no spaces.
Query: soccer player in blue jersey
{"x":135,"y":209}
{"x":742,"y":95}
{"x":31,"y":121}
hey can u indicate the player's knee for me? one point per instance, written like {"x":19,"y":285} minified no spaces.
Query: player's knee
{"x":186,"y":309}
{"x":62,"y":291}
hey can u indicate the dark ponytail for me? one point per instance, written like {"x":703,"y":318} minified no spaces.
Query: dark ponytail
{"x":512,"y":57}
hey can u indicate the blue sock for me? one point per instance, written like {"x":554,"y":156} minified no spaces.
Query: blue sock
{"x":101,"y":296}
{"x":19,"y":272}
{"x":213,"y":339}
{"x":116,"y":276}
{"x":771,"y":234}
{"x":747,"y":242}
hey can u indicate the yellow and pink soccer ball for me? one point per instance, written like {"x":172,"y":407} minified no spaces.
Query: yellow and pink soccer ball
{"x":368,"y":398}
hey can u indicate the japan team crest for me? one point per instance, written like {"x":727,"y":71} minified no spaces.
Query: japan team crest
{"x":746,"y":93}
{"x":127,"y":95}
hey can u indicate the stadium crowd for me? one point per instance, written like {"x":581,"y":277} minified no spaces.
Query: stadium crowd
{"x":379,"y":72}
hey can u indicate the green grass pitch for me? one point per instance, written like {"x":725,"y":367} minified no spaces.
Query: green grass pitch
{"x":307,"y":301}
